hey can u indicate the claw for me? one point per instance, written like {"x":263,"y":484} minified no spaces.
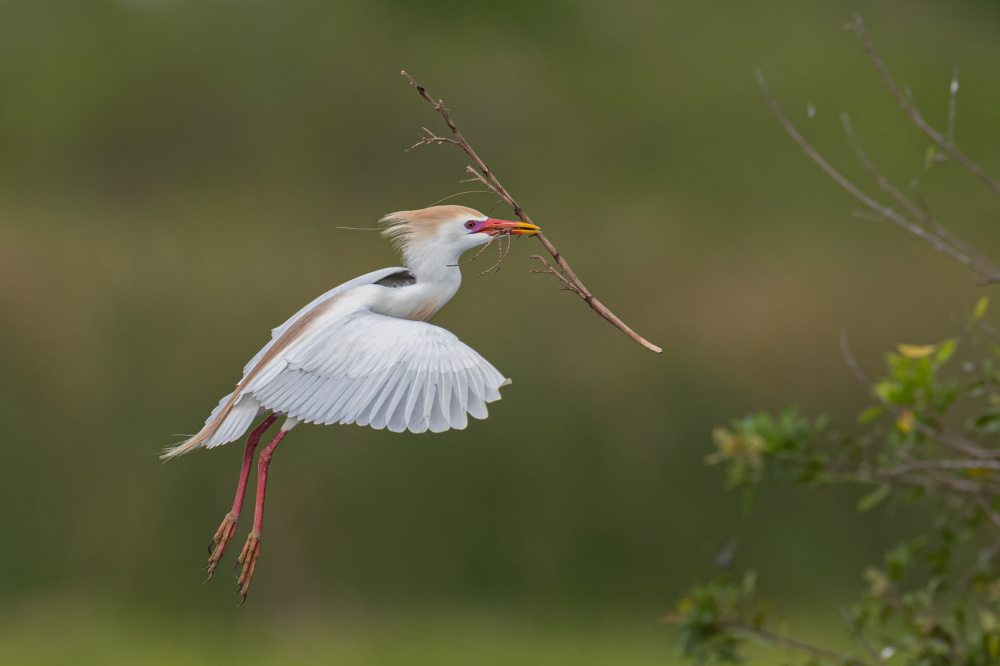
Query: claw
{"x":220,"y":541}
{"x":248,"y":558}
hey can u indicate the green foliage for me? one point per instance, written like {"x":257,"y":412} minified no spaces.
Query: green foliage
{"x":935,"y":598}
{"x":709,"y":611}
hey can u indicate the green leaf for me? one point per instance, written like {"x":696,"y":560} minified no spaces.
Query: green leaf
{"x":885,"y":389}
{"x":980,"y":309}
{"x":871,"y":414}
{"x":874,"y":498}
{"x":987,"y":422}
{"x":946,"y":351}
{"x":916,"y":351}
{"x":930,"y":156}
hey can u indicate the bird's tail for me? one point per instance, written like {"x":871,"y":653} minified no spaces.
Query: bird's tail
{"x":185,"y":446}
{"x":227,"y":422}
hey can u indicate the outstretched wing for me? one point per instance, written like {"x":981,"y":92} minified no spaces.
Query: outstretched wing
{"x":375,"y":370}
{"x":394,"y":275}
{"x":237,"y":410}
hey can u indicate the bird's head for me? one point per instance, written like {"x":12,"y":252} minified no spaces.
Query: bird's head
{"x":440,"y":234}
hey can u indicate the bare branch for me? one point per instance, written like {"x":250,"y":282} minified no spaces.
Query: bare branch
{"x":980,"y":263}
{"x":963,"y":465}
{"x":483,"y":173}
{"x":985,"y":263}
{"x":549,"y":270}
{"x":994,"y":518}
{"x":883,"y":182}
{"x":852,"y":362}
{"x":860,"y":637}
{"x":944,"y":143}
{"x":949,"y":483}
{"x":783,"y":641}
{"x":433,"y":138}
{"x":939,"y":244}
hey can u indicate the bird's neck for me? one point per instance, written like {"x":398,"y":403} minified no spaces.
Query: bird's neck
{"x":435,"y":267}
{"x":437,"y":280}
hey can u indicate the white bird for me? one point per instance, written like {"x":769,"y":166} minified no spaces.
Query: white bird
{"x":363,"y":353}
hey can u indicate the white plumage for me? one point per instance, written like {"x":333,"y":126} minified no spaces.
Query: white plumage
{"x":370,"y":369}
{"x":352,"y":365}
{"x":364,"y":353}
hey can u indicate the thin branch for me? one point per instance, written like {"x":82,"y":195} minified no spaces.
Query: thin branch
{"x":433,"y":138}
{"x":550,"y":271}
{"x":994,"y":518}
{"x":483,"y":173}
{"x":979,"y":262}
{"x":948,"y":483}
{"x":883,"y":182}
{"x":944,"y":143}
{"x":939,"y":244}
{"x":954,"y":441}
{"x":782,"y":641}
{"x":950,"y":464}
{"x":947,"y":234}
{"x":985,"y":555}
{"x":852,"y":362}
{"x":934,"y":477}
{"x":860,"y":637}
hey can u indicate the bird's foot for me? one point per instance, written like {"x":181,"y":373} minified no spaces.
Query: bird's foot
{"x":248,"y":558}
{"x":222,"y":537}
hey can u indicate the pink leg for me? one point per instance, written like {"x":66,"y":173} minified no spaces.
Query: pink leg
{"x":228,"y":527}
{"x":251,"y":550}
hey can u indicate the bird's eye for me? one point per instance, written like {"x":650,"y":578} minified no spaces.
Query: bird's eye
{"x":471,"y":224}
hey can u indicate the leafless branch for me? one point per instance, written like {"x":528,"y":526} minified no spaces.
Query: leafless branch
{"x":502,"y":255}
{"x":860,"y":637}
{"x":913,"y":209}
{"x":994,"y":518}
{"x":550,"y":271}
{"x":945,"y":143}
{"x":486,"y":176}
{"x":799,"y":646}
{"x":964,"y":465}
{"x":933,"y":482}
{"x":935,"y":475}
{"x":939,"y":244}
{"x":852,"y":362}
{"x":433,"y":138}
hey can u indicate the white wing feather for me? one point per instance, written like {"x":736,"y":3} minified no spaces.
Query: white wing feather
{"x":351,"y":365}
{"x":367,"y":278}
{"x":375,"y":370}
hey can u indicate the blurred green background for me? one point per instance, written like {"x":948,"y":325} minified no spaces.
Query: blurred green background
{"x":172,"y":174}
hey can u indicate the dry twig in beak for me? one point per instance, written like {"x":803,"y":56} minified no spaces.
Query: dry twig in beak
{"x":482,"y":173}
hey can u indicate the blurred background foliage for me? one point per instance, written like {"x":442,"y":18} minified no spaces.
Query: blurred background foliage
{"x":172,"y":174}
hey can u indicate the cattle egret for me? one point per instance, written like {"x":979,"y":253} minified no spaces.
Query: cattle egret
{"x":363,"y":353}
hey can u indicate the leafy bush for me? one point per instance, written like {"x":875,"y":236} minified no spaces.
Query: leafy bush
{"x":934,"y":599}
